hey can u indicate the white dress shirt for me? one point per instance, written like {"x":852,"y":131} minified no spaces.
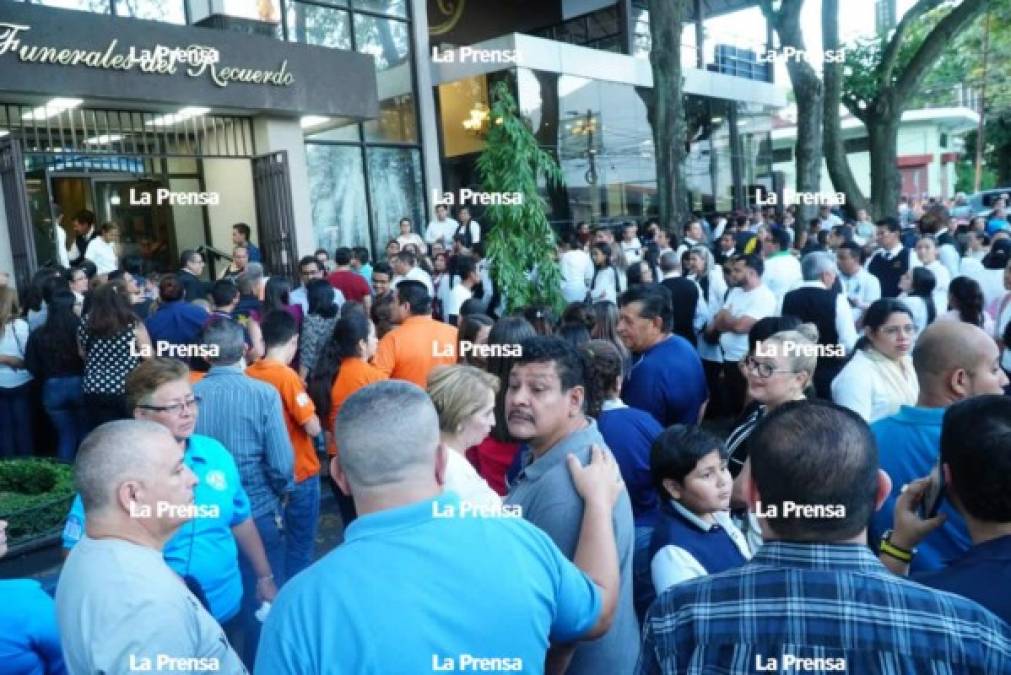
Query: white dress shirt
{"x":416,"y":274}
{"x":577,"y":271}
{"x":782,"y":274}
{"x":441,"y":230}
{"x":103,"y":254}
{"x":863,"y":289}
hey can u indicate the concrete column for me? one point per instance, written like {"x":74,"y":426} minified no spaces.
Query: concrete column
{"x":271,"y":134}
{"x":427,"y":119}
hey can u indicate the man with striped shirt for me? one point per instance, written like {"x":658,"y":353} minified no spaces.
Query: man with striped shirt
{"x":814,"y":598}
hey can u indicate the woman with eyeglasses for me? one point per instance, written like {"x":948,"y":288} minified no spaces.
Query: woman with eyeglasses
{"x":204,"y":552}
{"x":778,"y":370}
{"x":879,"y":377}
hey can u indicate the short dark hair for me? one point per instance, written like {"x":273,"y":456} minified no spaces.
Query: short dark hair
{"x":751,"y":260}
{"x":415,"y":294}
{"x":342,"y":256}
{"x":307,"y":260}
{"x":323,"y":251}
{"x":677,"y":451}
{"x":854,"y":249}
{"x":976,"y":445}
{"x":464,"y":266}
{"x":780,"y":238}
{"x":407,"y":258}
{"x":361,"y":254}
{"x":470,"y":307}
{"x":935,"y":219}
{"x":889,"y":224}
{"x":277,"y":326}
{"x":382,"y":267}
{"x":224,"y":292}
{"x":320,"y":298}
{"x":550,"y":349}
{"x":186,"y":256}
{"x":790,"y":449}
{"x":655,"y":301}
{"x":243,"y":229}
{"x":170,"y":288}
{"x":85,"y":216}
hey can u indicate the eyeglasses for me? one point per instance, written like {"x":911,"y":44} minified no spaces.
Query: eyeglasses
{"x":893,"y":331}
{"x":175,"y":408}
{"x":763,"y":370}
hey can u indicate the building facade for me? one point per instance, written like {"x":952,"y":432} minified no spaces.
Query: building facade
{"x":321,"y":123}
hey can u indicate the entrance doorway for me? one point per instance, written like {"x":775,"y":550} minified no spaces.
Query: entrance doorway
{"x":147,"y":231}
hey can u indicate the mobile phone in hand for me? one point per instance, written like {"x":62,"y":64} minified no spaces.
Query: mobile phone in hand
{"x":931,"y":503}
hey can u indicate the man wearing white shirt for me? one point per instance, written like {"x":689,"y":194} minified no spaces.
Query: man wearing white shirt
{"x":892,"y":259}
{"x":84,"y":228}
{"x":441,"y":229}
{"x":827,"y":218}
{"x":469,"y":229}
{"x":748,"y":301}
{"x":577,"y":270}
{"x":782,"y":270}
{"x":861,"y":287}
{"x":102,"y":249}
{"x":817,"y":302}
{"x":935,"y":223}
{"x":630,"y":244}
{"x":405,"y":265}
{"x":464,"y":280}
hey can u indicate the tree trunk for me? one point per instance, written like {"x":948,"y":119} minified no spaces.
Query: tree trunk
{"x":809,"y":93}
{"x":834,"y":147}
{"x":669,"y":126}
{"x":883,"y":133}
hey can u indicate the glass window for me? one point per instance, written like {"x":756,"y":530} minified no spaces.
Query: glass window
{"x":391,"y":7}
{"x":338,"y":129}
{"x":96,"y":6}
{"x":396,"y":188}
{"x":169,"y":11}
{"x":315,"y":25}
{"x":337,"y":194}
{"x":389,"y":42}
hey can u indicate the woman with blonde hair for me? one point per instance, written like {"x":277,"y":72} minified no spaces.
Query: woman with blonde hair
{"x":15,"y":380}
{"x":464,"y":397}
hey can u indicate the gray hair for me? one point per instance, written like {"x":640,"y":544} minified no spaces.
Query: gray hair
{"x":112,"y":453}
{"x":813,"y":265}
{"x":670,"y":262}
{"x":706,"y":255}
{"x":225,"y":338}
{"x":387,"y":433}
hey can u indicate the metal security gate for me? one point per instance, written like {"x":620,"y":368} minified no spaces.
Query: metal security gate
{"x":274,"y":213}
{"x":16,"y":213}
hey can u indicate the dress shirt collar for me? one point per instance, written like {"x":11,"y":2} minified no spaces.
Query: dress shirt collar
{"x":817,"y":556}
{"x":695,"y":521}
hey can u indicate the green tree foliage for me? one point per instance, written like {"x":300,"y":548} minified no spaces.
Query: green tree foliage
{"x":521,"y":243}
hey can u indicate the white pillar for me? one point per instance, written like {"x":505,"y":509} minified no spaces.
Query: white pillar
{"x":426,"y":104}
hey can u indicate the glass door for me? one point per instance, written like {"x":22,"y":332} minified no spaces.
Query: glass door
{"x":146,"y":226}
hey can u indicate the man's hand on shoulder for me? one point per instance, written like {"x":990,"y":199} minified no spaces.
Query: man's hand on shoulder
{"x":599,"y":482}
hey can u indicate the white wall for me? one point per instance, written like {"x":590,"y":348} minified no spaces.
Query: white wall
{"x":233,"y":180}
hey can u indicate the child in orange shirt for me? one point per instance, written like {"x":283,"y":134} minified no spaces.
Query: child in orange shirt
{"x":301,"y":515}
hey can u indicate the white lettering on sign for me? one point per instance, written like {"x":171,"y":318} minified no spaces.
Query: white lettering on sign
{"x":199,"y":60}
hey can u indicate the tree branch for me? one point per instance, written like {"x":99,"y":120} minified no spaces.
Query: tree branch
{"x":936,"y":41}
{"x":891,"y":53}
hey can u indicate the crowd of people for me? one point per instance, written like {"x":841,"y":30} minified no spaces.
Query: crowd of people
{"x":742,"y":446}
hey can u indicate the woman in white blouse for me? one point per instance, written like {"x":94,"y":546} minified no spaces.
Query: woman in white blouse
{"x":464,"y":397}
{"x":926,"y":251}
{"x":102,"y":249}
{"x":880,"y":377}
{"x":605,"y":286}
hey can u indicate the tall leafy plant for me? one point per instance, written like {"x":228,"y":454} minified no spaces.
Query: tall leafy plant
{"x":521,"y":244}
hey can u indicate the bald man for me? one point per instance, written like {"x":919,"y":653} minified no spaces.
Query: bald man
{"x":953,"y":361}
{"x":119,"y":606}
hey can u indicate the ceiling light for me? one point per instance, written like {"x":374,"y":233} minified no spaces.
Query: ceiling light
{"x":52,"y":108}
{"x":310,"y":121}
{"x":104,"y":139}
{"x":176,"y":118}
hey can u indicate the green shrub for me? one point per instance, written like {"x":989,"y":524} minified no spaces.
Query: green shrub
{"x":35,"y":495}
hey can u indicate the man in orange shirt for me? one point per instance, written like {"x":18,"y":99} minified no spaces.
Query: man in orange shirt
{"x":420,"y":343}
{"x":280,"y":338}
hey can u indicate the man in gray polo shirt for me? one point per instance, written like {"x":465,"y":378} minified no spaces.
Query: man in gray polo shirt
{"x":544,"y":409}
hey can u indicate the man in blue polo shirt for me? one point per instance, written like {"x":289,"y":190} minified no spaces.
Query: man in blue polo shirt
{"x":976,"y":456}
{"x":666,"y":379}
{"x":953,"y":361}
{"x":424,"y":582}
{"x":177,"y":322}
{"x":203,"y":552}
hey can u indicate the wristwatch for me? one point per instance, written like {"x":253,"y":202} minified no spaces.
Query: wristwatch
{"x":888,"y":548}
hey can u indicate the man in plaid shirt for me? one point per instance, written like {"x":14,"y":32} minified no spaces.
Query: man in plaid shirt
{"x":814,"y":598}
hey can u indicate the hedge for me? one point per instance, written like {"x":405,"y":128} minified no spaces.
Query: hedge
{"x":35,"y":495}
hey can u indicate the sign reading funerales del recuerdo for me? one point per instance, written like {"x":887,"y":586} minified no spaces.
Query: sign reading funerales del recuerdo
{"x":74,"y":53}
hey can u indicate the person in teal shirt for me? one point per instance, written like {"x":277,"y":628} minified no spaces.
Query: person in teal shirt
{"x":204,"y":552}
{"x":29,"y":636}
